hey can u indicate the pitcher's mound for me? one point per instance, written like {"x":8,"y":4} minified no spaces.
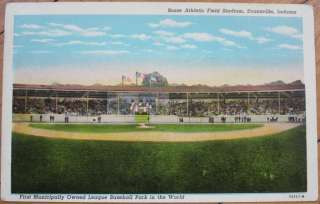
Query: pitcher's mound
{"x":144,"y":126}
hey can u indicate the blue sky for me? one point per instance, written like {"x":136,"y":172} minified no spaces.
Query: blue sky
{"x":211,"y":50}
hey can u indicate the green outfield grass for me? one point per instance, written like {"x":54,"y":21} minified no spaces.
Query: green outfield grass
{"x":141,"y":118}
{"x":105,"y":128}
{"x":265,"y":164}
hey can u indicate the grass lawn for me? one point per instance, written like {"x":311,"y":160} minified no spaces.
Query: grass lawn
{"x":265,"y":164}
{"x":141,"y":118}
{"x":104,"y":128}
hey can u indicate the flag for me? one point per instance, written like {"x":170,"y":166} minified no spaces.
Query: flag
{"x":139,"y":75}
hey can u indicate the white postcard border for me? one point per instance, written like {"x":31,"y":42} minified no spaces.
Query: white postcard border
{"x":161,"y":8}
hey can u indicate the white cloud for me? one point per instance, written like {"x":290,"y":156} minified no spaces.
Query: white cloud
{"x":117,"y":36}
{"x":174,"y":40}
{"x":45,"y":40}
{"x":31,"y":26}
{"x":154,"y":25}
{"x":119,"y":43}
{"x":106,"y":28}
{"x":93,"y":33}
{"x":228,"y":43}
{"x":169,"y":37}
{"x":206,"y":37}
{"x":290,"y":47}
{"x":55,"y":24}
{"x":49,"y":33}
{"x":298,"y":36}
{"x":188,"y":46}
{"x":163,"y":33}
{"x":141,"y":36}
{"x":89,"y":32}
{"x":67,"y":27}
{"x":104,"y":52}
{"x":170,"y":23}
{"x":242,"y":33}
{"x":78,"y":42}
{"x":170,"y":47}
{"x":262,"y":40}
{"x":286,"y":31}
{"x":202,"y":37}
{"x":158,"y":44}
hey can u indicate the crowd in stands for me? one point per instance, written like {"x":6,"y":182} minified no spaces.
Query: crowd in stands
{"x":197,"y":108}
{"x":236,"y":107}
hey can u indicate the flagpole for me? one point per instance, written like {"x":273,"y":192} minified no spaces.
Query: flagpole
{"x":122,"y":80}
{"x":136,"y":79}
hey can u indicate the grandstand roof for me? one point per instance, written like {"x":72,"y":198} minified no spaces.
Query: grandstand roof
{"x":272,"y":87}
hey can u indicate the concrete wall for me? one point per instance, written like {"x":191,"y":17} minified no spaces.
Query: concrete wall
{"x":131,"y":118}
{"x":59,"y":118}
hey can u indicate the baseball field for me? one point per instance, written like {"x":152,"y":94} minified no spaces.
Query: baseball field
{"x":273,"y":162}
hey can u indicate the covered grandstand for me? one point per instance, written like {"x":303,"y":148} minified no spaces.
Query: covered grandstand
{"x":182,"y":101}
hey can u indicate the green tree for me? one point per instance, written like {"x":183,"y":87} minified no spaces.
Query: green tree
{"x":154,"y":79}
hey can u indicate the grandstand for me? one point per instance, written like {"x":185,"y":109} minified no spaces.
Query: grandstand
{"x":258,"y":103}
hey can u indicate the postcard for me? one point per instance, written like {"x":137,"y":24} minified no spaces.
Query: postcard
{"x":158,"y":102}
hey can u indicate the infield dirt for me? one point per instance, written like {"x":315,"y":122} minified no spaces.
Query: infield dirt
{"x":156,"y":136}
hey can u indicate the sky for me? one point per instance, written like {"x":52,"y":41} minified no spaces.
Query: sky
{"x":210,"y":50}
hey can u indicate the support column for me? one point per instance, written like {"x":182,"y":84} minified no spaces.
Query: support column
{"x":248,"y":102}
{"x":87,"y":108}
{"x":218,"y":103}
{"x":26,"y":101}
{"x":137,"y":78}
{"x":157,"y":103}
{"x":279,"y":103}
{"x":107,"y":103}
{"x":56,"y":105}
{"x":118,"y":104}
{"x":188,"y":104}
